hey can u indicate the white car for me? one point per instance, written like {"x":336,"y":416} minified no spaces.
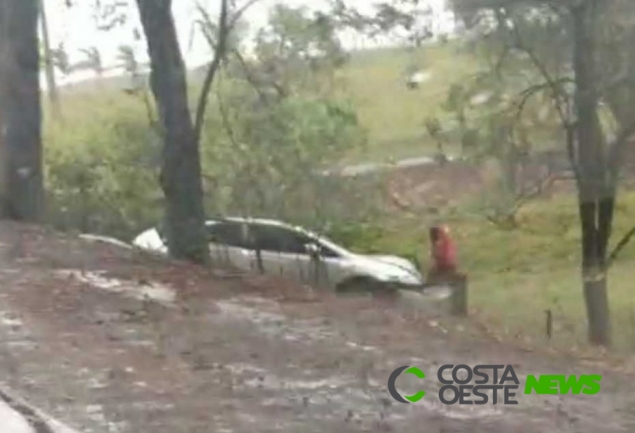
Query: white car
{"x":296,"y":253}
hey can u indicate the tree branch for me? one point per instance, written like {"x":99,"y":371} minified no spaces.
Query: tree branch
{"x":219,"y":53}
{"x":227,"y":124}
{"x":620,"y":246}
{"x":225,"y":26}
{"x":550,"y":81}
{"x":527,"y":94}
{"x":251,"y":79}
{"x":560,"y":101}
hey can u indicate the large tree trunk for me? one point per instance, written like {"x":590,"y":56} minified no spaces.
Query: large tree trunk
{"x":181,"y":169}
{"x":21,"y":185}
{"x":596,"y":193}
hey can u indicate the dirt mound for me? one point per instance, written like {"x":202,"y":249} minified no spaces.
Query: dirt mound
{"x":435,"y":186}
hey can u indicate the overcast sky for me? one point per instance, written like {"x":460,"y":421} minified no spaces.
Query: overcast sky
{"x":76,"y":27}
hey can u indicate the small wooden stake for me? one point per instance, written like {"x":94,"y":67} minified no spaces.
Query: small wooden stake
{"x":549,"y":323}
{"x":459,"y":296}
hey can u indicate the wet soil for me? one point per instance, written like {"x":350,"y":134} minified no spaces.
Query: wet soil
{"x":107,"y":339}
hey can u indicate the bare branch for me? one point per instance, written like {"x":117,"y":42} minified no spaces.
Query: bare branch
{"x":251,"y":79}
{"x":281,"y":91}
{"x":226,"y":123}
{"x":539,"y":187}
{"x":225,"y":26}
{"x":239,"y":13}
{"x":529,"y":92}
{"x":557,"y":95}
{"x":620,"y":246}
{"x":560,"y":99}
{"x":219,"y":53}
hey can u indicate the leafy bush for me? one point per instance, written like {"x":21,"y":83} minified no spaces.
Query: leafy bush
{"x":102,"y":176}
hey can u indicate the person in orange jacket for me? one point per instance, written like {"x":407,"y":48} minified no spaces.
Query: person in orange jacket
{"x":444,"y":255}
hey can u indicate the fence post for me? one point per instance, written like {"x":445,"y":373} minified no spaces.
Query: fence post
{"x":459,"y":305}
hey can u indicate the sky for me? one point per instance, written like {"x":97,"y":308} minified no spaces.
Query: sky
{"x":76,"y":28}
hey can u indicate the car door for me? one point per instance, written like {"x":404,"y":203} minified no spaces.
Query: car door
{"x":229,"y":245}
{"x":332,"y":266}
{"x":282,"y":250}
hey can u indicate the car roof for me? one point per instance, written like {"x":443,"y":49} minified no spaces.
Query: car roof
{"x":264,"y":221}
{"x":278,"y":223}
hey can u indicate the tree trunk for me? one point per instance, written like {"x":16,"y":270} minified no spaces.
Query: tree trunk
{"x":21,"y":188}
{"x":596,"y":194}
{"x":49,"y":69}
{"x":598,"y":313}
{"x":181,"y":168}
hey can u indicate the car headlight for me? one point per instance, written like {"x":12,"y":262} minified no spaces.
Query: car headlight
{"x":400,"y":278}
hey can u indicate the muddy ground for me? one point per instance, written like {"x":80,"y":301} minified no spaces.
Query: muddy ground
{"x":232,"y":353}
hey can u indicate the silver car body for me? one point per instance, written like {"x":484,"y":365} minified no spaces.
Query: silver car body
{"x":337,"y":265}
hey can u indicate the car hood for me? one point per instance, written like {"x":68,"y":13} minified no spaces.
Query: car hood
{"x":386,"y":267}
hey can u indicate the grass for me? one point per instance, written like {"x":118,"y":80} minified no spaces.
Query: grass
{"x":374,"y":80}
{"x":393,"y":115}
{"x":515,"y":275}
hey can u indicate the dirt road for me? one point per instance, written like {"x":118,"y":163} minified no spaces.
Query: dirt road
{"x":203,"y":352}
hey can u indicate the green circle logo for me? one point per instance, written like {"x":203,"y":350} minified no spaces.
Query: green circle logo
{"x":393,"y":390}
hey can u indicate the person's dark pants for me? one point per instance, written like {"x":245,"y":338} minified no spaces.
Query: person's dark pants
{"x":439,"y":276}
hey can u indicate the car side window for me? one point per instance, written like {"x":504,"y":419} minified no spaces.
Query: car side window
{"x":227,"y":233}
{"x":278,"y":239}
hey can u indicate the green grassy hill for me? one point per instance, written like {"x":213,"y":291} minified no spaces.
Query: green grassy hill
{"x":375,"y":81}
{"x":393,"y":114}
